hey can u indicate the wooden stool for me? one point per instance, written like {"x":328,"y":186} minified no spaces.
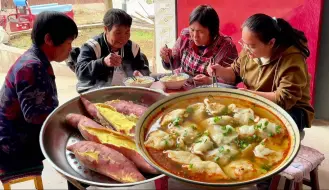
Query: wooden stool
{"x":37,"y":182}
{"x":305,"y":164}
{"x":13,"y":176}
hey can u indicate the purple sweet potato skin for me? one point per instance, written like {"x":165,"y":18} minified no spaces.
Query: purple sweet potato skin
{"x":74,"y":119}
{"x":132,"y":155}
{"x":90,"y":108}
{"x":110,"y":162}
{"x":127,"y":107}
{"x":94,"y":113}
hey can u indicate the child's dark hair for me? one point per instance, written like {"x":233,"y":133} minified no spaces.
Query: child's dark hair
{"x":116,"y":17}
{"x":285,"y":35}
{"x":207,"y":17}
{"x":59,"y":26}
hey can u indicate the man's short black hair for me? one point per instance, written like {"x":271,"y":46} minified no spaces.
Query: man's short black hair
{"x":59,"y":26}
{"x":116,"y":17}
{"x":207,"y":17}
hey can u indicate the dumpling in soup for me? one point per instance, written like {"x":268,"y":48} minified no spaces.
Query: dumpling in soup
{"x":244,"y":116}
{"x":202,"y":145}
{"x":261,"y":151}
{"x":175,"y":117}
{"x":222,"y":134}
{"x":241,"y":170}
{"x":215,"y":108}
{"x":246,"y":130}
{"x":194,"y":164}
{"x":187,"y":132}
{"x":196,"y":112}
{"x":232,"y":108}
{"x":217,"y":120}
{"x":222,"y":155}
{"x":268,"y":129}
{"x":211,"y":169}
{"x":182,"y":157}
{"x":159,"y":140}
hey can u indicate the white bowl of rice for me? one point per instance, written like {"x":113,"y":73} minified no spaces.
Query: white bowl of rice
{"x":141,"y":81}
{"x":174,"y":82}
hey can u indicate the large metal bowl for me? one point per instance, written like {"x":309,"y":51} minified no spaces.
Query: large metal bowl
{"x":259,"y":104}
{"x":56,"y":135}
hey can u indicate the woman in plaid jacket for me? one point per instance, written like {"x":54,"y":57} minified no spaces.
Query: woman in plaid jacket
{"x":198,"y":44}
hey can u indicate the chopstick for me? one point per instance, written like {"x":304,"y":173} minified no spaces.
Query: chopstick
{"x":214,"y":78}
{"x":170,"y":63}
{"x":134,"y":78}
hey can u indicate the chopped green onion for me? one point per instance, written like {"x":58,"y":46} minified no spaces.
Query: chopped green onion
{"x":266,"y":167}
{"x":185,"y":133}
{"x":193,"y":127}
{"x":259,"y":126}
{"x":217,"y":119}
{"x":221,"y":149}
{"x":166,"y":142}
{"x":176,"y":121}
{"x":189,"y":110}
{"x":198,"y":141}
{"x":225,"y":111}
{"x":206,"y":133}
{"x":278,"y":129}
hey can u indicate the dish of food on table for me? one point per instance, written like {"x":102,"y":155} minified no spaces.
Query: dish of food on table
{"x":108,"y":147}
{"x":214,"y":140}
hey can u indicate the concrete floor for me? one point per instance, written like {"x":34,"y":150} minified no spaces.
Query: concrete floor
{"x":316,"y":137}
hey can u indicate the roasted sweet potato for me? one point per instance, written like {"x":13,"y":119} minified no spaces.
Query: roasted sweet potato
{"x":117,"y":141}
{"x":93,"y":112}
{"x":127,"y":107}
{"x":74,"y":119}
{"x":106,"y":161}
{"x":118,"y":121}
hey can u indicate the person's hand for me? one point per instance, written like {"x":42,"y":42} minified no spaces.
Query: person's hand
{"x":201,"y":79}
{"x":137,"y":74}
{"x":113,"y":60}
{"x":211,"y":69}
{"x":165,"y":54}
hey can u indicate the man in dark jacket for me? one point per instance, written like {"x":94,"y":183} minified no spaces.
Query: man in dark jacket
{"x":108,"y":58}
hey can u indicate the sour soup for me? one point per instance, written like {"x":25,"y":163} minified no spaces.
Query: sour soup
{"x":217,"y":140}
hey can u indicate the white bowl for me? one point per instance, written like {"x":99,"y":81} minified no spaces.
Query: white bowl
{"x":130,"y":82}
{"x":175,"y":85}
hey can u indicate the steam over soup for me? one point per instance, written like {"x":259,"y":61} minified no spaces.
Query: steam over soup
{"x":213,"y":140}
